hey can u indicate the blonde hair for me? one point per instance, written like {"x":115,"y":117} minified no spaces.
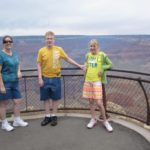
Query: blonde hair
{"x":94,"y":42}
{"x":49,"y":33}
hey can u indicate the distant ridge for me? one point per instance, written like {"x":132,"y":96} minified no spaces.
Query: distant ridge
{"x":129,"y":52}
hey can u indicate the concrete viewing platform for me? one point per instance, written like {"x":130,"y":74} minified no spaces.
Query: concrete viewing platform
{"x":71,"y":134}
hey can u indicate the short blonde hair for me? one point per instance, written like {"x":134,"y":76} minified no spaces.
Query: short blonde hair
{"x":49,"y":33}
{"x":95,"y":42}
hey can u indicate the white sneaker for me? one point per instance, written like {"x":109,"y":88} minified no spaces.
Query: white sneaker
{"x":92,"y":123}
{"x":19,"y":123}
{"x":6,"y":126}
{"x":108,"y":126}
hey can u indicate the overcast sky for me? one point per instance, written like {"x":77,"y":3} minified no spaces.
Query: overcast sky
{"x":100,"y":17}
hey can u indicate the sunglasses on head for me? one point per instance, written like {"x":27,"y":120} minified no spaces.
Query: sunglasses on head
{"x":4,"y":42}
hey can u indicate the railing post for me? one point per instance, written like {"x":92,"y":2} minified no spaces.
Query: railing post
{"x":104,"y":95}
{"x":64,"y":86}
{"x":26,"y":99}
{"x":104,"y":100}
{"x":147,"y":102}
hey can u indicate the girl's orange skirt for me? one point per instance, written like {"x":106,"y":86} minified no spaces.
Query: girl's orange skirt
{"x":92,"y":90}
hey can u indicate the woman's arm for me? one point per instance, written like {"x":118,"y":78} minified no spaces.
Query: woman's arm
{"x":2,"y":87}
{"x":19,"y":72}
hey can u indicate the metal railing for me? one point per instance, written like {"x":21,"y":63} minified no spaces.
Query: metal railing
{"x":127,"y":93}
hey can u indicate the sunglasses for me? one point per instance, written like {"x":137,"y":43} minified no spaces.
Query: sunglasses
{"x":4,"y":42}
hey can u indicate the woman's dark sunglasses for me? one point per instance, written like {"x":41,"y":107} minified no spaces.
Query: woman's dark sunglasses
{"x":4,"y":42}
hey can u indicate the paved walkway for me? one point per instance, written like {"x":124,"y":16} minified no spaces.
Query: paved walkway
{"x":71,"y":134}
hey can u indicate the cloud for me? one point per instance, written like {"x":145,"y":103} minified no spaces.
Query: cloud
{"x":34,"y":17}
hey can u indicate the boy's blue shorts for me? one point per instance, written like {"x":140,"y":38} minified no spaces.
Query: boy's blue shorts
{"x":12,"y":91}
{"x":51,"y":89}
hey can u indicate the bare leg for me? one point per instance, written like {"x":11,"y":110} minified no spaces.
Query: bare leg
{"x":102,"y":109}
{"x":47,"y":119}
{"x":5,"y":125}
{"x":55,"y":107}
{"x":17,"y":103}
{"x":47,"y":107}
{"x":3,"y":105}
{"x":93,"y":120}
{"x":17,"y":119}
{"x":104,"y":101}
{"x":92,"y":108}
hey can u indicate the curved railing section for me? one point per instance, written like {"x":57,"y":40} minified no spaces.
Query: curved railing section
{"x":127,"y":93}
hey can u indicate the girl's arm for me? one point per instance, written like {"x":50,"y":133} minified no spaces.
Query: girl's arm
{"x":2,"y":87}
{"x":108,"y":64}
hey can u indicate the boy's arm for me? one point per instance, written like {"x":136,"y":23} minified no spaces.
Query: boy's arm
{"x":40,"y":74}
{"x":71,"y":61}
{"x":68,"y":59}
{"x":39,"y":61}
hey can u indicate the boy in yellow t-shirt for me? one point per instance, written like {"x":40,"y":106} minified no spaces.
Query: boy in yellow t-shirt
{"x":49,"y":73}
{"x":49,"y":57}
{"x":92,"y":89}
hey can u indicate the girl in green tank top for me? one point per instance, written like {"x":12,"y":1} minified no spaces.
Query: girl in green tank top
{"x":95,"y":66}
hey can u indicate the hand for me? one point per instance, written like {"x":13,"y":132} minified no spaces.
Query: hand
{"x":41,"y":82}
{"x":80,"y":66}
{"x":19,"y":75}
{"x":100,"y":73}
{"x":83,"y":67}
{"x":2,"y":89}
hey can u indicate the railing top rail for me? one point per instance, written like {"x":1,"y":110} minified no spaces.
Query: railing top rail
{"x":113,"y":70}
{"x":128,"y":71}
{"x":112,"y":76}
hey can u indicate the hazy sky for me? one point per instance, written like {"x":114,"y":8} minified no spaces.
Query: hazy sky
{"x":35,"y":17}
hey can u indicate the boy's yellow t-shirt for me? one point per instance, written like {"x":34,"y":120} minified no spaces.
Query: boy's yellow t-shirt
{"x":94,"y":66}
{"x":49,"y":58}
